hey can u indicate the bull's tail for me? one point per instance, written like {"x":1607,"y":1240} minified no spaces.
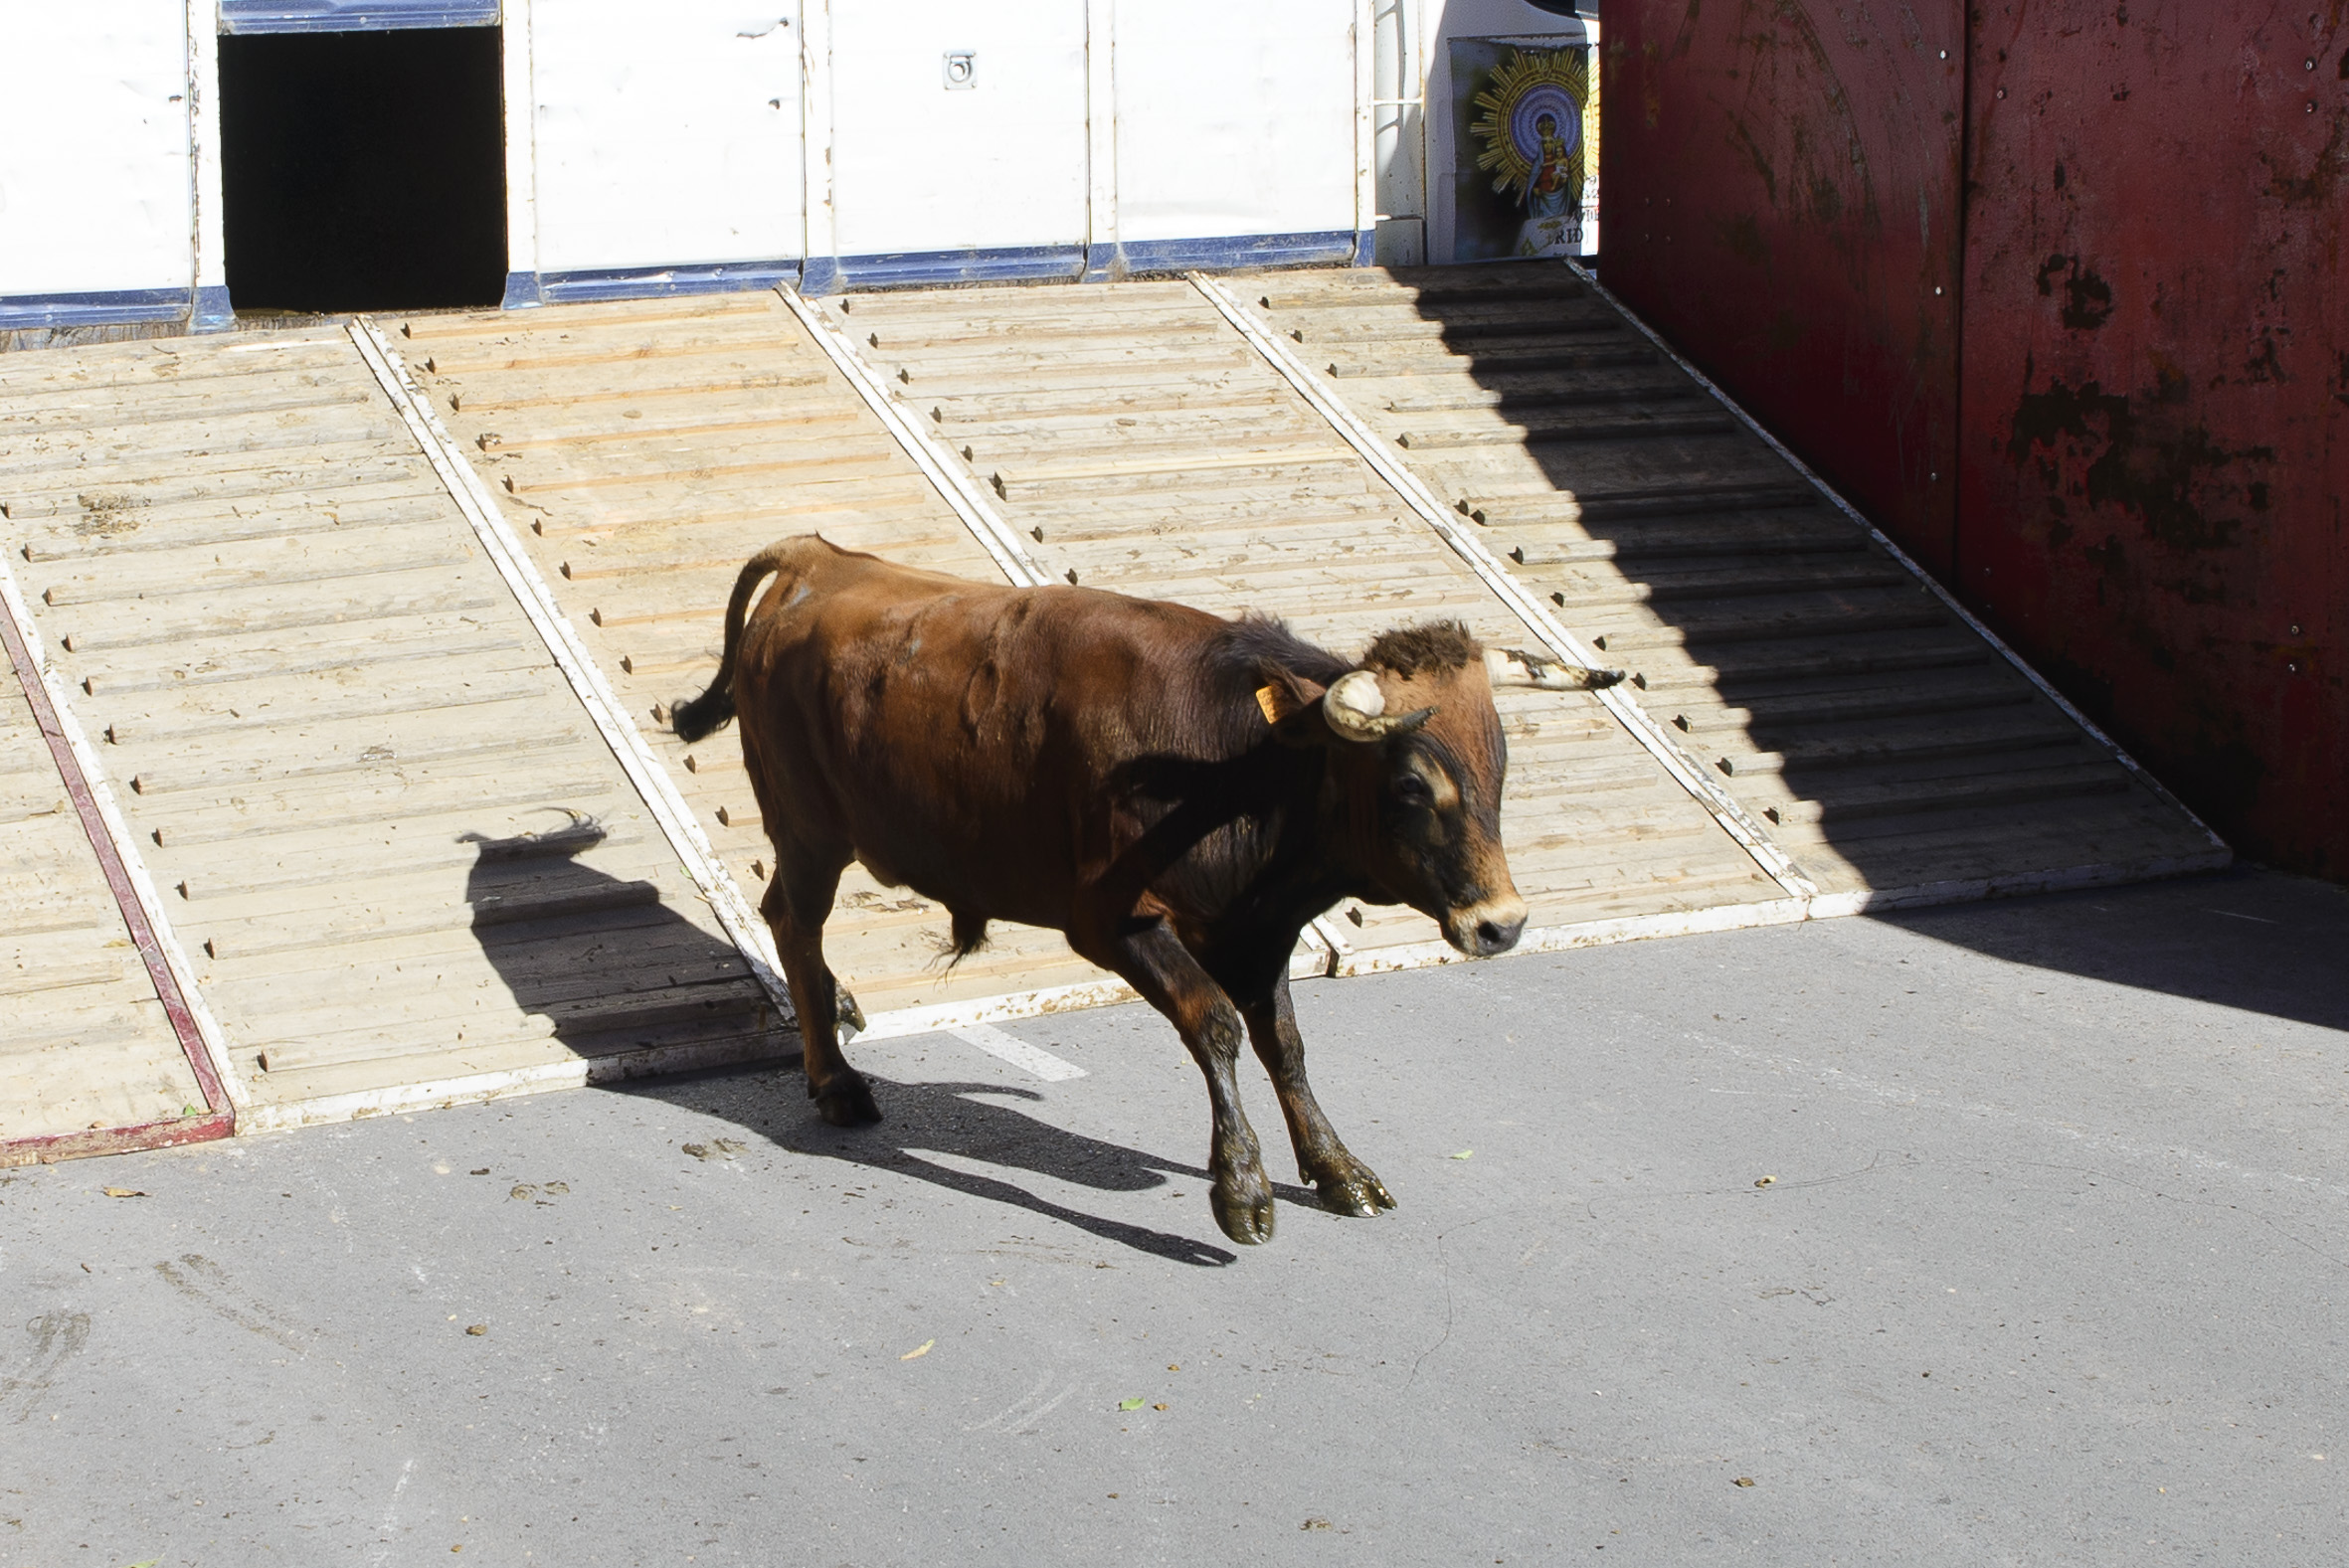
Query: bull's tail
{"x":699,"y":717}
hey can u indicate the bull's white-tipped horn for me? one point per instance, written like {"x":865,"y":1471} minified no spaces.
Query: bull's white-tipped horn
{"x":1515,"y":667}
{"x":1356,"y":709}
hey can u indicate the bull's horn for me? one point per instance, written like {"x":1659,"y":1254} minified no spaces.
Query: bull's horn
{"x":1356,"y":709}
{"x":1515,"y":667}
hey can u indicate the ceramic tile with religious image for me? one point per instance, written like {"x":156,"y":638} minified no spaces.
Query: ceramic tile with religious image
{"x":1525,"y":145}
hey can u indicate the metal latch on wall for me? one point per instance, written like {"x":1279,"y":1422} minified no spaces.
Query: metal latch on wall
{"x":961,"y":69}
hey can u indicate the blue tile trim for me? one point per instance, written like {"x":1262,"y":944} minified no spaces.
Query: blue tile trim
{"x":211,"y":311}
{"x":1231,"y":253}
{"x":825,"y":274}
{"x":20,"y":311}
{"x":819,"y":275}
{"x":645,"y":282}
{"x":352,"y":16}
{"x":931,"y":268}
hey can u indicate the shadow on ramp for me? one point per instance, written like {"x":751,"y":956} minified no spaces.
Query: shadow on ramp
{"x":614,"y":970}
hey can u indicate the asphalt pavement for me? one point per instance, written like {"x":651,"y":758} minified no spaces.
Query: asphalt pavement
{"x":2008,"y":1233}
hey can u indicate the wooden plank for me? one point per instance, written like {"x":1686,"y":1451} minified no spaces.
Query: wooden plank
{"x":499,"y":326}
{"x":159,"y":576}
{"x":136,"y":366}
{"x":217,"y":480}
{"x":270,"y":609}
{"x":1722,"y":575}
{"x":36,"y":460}
{"x":489,"y":394}
{"x":1625,"y":420}
{"x":723,"y":444}
{"x":555,"y":486}
{"x":472,"y":361}
{"x":212,"y":526}
{"x":83,"y":421}
{"x":740,"y":417}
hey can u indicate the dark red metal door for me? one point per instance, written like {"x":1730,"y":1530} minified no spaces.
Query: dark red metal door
{"x":2156,"y":389}
{"x":1781,"y":200}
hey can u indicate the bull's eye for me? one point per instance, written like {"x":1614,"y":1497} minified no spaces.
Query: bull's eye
{"x":1411,"y":790}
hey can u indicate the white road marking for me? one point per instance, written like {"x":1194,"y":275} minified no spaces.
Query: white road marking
{"x":1027,"y":1058}
{"x":391,"y":1512}
{"x":1033,"y":1422}
{"x":1017,"y":1406}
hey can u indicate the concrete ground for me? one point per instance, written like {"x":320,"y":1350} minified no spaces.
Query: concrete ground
{"x":2049,"y":1267}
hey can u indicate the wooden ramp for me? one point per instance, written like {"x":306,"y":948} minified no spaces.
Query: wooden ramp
{"x":1135,"y":441}
{"x":1880,"y":739}
{"x":402,"y":861}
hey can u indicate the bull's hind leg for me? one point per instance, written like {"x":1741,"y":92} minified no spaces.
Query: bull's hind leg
{"x":796,"y":903}
{"x":1156,"y":964}
{"x":1347,"y":1185}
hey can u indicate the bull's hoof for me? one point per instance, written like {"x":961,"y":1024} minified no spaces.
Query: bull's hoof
{"x":1351,"y":1191}
{"x":845,"y":1102}
{"x":1246,"y":1220}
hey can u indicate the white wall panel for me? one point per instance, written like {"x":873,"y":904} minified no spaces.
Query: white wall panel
{"x":919,"y":166}
{"x":667,"y":135}
{"x":1235,"y":118}
{"x":95,"y":172}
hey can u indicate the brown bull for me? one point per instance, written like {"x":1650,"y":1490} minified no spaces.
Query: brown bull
{"x":1176,"y":793}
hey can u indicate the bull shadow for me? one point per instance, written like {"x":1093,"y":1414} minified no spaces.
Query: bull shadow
{"x":619,"y":971}
{"x":980,"y":1122}
{"x":612,"y":968}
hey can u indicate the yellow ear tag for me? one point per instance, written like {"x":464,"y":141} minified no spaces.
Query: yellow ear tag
{"x":1269,"y":700}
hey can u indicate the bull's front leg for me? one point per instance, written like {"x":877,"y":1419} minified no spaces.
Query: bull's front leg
{"x":1156,"y":964}
{"x":1345,"y":1184}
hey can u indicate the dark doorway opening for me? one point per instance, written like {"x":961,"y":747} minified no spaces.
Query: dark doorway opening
{"x":363,"y":171}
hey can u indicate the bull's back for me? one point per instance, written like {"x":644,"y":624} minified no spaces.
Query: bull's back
{"x":957,"y":736}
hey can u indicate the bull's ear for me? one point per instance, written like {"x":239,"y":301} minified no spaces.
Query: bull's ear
{"x":1292,"y":705}
{"x":1517,"y":668}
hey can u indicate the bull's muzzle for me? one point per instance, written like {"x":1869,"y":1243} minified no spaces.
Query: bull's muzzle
{"x":1482,"y":930}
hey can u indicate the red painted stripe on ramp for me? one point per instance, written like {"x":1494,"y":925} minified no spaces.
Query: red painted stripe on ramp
{"x":221,"y":1120}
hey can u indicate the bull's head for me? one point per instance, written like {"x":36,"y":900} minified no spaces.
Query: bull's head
{"x":1418,"y":757}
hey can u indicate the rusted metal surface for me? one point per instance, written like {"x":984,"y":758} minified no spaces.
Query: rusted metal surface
{"x":2155,"y":432}
{"x":2136,"y":375}
{"x":1781,"y":200}
{"x":49,"y":1148}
